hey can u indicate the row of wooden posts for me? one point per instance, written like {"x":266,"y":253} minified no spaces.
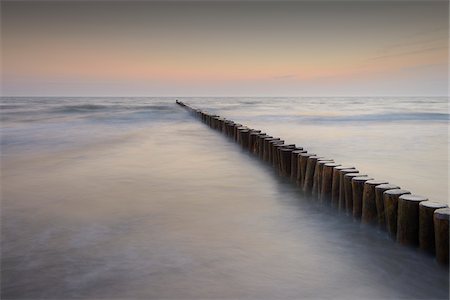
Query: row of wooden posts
{"x":410,"y":219}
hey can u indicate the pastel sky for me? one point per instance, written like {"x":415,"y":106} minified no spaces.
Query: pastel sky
{"x":217,"y":48}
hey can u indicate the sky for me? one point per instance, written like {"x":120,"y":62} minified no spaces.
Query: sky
{"x":218,"y":48}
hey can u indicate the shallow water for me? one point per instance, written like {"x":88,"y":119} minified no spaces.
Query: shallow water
{"x":134,"y":198}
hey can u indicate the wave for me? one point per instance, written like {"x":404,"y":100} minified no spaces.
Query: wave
{"x":87,"y":108}
{"x":382,"y":117}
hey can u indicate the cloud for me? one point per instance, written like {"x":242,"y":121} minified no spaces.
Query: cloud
{"x":407,"y":53}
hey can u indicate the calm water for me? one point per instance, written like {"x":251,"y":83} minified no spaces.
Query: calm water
{"x":133,"y":198}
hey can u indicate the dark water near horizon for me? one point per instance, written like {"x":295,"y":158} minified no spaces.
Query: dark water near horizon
{"x":133,"y":198}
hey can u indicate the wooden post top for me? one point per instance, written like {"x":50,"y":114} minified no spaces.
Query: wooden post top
{"x":396,"y":192}
{"x":340,"y":167}
{"x":376,"y":182}
{"x":331,"y":164}
{"x":442,"y":213}
{"x":361,"y":178}
{"x":351,"y":175}
{"x":306,"y":154}
{"x":432,"y":204}
{"x":387,"y":186}
{"x":413,"y":198}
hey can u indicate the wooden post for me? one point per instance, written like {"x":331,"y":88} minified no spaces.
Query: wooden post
{"x":266,"y":151}
{"x":301,"y":167}
{"x":276,"y":157}
{"x":335,"y":184}
{"x":408,"y":219}
{"x":238,"y":135}
{"x":272,"y":145}
{"x":348,"y":191}
{"x":379,"y":200}
{"x":357,"y":189}
{"x":441,"y":218}
{"x":426,"y":225}
{"x":391,"y":209}
{"x":261,"y":143}
{"x":342,"y":202}
{"x":294,"y":162}
{"x":318,"y":176}
{"x":244,"y":134}
{"x":327,"y":180}
{"x":252,"y":140}
{"x":285,"y":161}
{"x":369,"y":206}
{"x":236,"y":132}
{"x":309,"y":173}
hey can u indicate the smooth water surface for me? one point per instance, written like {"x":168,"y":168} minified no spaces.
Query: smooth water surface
{"x":133,"y":198}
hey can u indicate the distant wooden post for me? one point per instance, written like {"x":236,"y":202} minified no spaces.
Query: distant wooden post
{"x":272,"y":145}
{"x":358,"y":189}
{"x":244,"y":134}
{"x":391,"y":209}
{"x":285,"y":157}
{"x":238,"y":133}
{"x":348,"y":190}
{"x":252,"y":140}
{"x":309,"y":173}
{"x":294,"y":162}
{"x":379,"y":200}
{"x":335,"y":184}
{"x":426,"y":225}
{"x":318,"y":176}
{"x":342,"y":201}
{"x":267,"y":146}
{"x":261,"y":143}
{"x":408,"y":219}
{"x":301,"y":167}
{"x":441,"y":218}
{"x":327,"y":180}
{"x":277,"y":156}
{"x":369,"y":206}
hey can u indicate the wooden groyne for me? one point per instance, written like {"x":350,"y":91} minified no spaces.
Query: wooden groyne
{"x":409,"y":219}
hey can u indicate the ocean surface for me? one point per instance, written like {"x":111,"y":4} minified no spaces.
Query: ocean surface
{"x":127,"y":198}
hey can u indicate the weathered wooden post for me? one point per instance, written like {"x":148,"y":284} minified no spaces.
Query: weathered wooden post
{"x":391,"y":209}
{"x":285,"y":161}
{"x":348,"y":190}
{"x":342,"y":202}
{"x":294,"y":162}
{"x":408,"y":219}
{"x":277,"y":156}
{"x":357,"y":189}
{"x":266,"y":150}
{"x":426,"y":225}
{"x":274,"y":153}
{"x":379,"y":200}
{"x":236,"y":131}
{"x":441,"y":218}
{"x":239,"y":131}
{"x":244,"y":134}
{"x":252,"y":140}
{"x":261,"y":142}
{"x":309,"y":173}
{"x":301,"y":167}
{"x":318,"y":176}
{"x":272,"y":144}
{"x":327,"y":180}
{"x":335,"y":184}
{"x":369,"y":206}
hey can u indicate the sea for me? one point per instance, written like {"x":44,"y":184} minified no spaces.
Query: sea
{"x":134,"y":198}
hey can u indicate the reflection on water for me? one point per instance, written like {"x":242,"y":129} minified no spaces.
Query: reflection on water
{"x":143,"y":201}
